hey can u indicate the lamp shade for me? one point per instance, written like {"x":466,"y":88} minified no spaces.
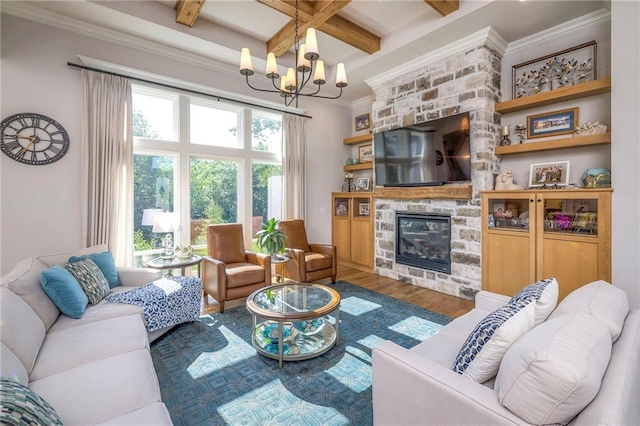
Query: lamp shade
{"x":166,"y":222}
{"x":148,"y":215}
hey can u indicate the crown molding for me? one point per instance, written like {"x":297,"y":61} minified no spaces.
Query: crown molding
{"x":580,"y":24}
{"x":486,"y":37}
{"x":362,"y":102}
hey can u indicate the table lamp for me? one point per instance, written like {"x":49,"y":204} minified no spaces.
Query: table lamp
{"x":166,"y":222}
{"x":148,"y":216}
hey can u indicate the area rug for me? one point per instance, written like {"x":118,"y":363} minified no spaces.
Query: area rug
{"x":210,"y":374}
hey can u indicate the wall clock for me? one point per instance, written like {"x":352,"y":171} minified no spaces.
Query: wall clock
{"x":33,"y":138}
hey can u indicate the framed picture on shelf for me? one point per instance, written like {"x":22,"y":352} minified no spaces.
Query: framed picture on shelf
{"x":565,"y":68}
{"x":365,"y":153}
{"x":554,"y":174}
{"x":362,"y":184}
{"x":363,"y":209}
{"x":363,"y":122}
{"x":342,"y":208}
{"x":554,"y":123}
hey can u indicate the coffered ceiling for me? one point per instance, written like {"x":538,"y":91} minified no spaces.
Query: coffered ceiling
{"x":369,"y":36}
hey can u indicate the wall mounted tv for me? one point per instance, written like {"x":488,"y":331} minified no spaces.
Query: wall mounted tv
{"x":430,"y":153}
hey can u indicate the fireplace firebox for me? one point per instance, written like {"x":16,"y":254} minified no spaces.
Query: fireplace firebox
{"x":424,"y":241}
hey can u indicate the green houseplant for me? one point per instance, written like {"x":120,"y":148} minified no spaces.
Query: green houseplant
{"x":270,"y":238}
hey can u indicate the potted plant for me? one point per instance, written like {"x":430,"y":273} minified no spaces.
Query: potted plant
{"x":271,"y":239}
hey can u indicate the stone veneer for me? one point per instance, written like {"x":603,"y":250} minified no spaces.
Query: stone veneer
{"x":466,"y":81}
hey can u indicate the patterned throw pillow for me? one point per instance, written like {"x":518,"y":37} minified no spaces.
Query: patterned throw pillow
{"x":90,"y":278}
{"x":21,"y":406}
{"x":545,"y":294}
{"x":480,"y":355}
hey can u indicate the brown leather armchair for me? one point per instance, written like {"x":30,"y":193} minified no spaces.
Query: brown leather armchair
{"x":309,"y":262}
{"x":229,"y":272}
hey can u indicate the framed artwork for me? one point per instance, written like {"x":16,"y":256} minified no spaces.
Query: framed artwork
{"x":554,"y":123}
{"x":555,"y":174}
{"x":565,"y":68}
{"x":342,"y":208}
{"x":365,"y":153}
{"x":362,"y":184}
{"x":363,"y":122}
{"x":363,"y":209}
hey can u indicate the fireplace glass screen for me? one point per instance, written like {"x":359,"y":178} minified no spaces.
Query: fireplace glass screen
{"x":424,"y":241}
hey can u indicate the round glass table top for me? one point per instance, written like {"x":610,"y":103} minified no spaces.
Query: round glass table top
{"x":293,"y":301}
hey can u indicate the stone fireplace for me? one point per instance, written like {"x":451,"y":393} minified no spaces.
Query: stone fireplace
{"x":423,"y":241}
{"x":453,"y":81}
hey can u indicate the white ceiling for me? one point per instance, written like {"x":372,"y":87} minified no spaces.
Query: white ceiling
{"x":408,"y":28}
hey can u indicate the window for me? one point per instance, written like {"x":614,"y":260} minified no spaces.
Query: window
{"x":217,"y":163}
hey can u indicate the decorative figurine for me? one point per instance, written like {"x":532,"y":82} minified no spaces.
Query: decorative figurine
{"x":505,"y":136}
{"x":505,"y":181}
{"x":521,"y":131}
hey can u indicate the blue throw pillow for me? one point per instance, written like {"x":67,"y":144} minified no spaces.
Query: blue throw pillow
{"x":63,"y":289}
{"x":105,"y":263}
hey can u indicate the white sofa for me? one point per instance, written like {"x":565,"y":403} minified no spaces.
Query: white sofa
{"x":93,"y":370}
{"x":417,"y":386}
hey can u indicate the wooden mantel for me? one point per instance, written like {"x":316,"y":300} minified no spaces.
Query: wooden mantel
{"x":451,"y":192}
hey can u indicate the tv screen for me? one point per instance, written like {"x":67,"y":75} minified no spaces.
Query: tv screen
{"x":430,"y":153}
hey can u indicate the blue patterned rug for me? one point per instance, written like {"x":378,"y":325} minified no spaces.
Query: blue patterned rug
{"x":210,"y":374}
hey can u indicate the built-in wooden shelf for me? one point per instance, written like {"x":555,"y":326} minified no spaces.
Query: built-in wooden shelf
{"x":358,"y":139}
{"x":568,"y":93}
{"x":456,"y":191}
{"x":361,"y":166}
{"x":546,"y":145}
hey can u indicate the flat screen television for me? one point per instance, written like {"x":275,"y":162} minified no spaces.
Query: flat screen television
{"x":430,"y":153}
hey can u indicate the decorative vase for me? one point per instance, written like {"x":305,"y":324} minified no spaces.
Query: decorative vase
{"x":599,"y":177}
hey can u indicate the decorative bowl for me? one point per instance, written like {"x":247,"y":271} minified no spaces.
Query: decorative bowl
{"x":309,"y":326}
{"x":273,"y":348}
{"x":272,"y":335}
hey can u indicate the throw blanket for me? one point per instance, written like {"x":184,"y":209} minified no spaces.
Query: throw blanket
{"x":165,"y":302}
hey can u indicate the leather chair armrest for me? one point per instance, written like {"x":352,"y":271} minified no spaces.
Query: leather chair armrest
{"x":214,"y":278}
{"x":323,"y":248}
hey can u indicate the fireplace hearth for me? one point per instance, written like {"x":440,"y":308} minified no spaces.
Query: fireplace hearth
{"x":423,"y":240}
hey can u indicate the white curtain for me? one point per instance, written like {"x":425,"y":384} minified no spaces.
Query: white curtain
{"x":295,"y":157}
{"x":108,"y":164}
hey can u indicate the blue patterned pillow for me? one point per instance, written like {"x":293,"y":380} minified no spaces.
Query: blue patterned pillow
{"x":106,"y":264}
{"x":480,"y":355}
{"x":545,"y":294}
{"x":90,"y":278}
{"x":22,"y":406}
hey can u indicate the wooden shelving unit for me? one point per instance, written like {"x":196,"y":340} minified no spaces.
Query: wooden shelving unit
{"x":361,"y":166}
{"x":358,"y":139}
{"x":546,"y":145}
{"x":590,"y":88}
{"x":454,"y":192}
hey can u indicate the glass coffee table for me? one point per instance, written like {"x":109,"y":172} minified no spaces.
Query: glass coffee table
{"x":299,"y":313}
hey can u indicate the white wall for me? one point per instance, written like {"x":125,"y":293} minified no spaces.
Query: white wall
{"x":595,"y":108}
{"x":625,"y":150}
{"x":40,"y":205}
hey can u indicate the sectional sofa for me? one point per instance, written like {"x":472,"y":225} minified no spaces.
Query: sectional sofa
{"x":579,"y":365}
{"x":93,"y":370}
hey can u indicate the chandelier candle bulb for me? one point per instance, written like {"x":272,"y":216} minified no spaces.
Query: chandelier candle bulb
{"x":283,"y":86}
{"x":311,"y":43}
{"x":246,"y":67}
{"x":272,"y":66}
{"x":318,"y":77}
{"x":304,"y":64}
{"x":291,"y":79}
{"x":341,"y":76}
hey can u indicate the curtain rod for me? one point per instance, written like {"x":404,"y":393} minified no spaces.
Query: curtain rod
{"x":71,"y":64}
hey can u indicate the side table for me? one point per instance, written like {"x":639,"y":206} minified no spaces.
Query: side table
{"x":279,"y":260}
{"x":175,"y":263}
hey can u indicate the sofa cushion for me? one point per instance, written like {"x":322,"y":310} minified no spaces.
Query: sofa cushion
{"x":64,"y":290}
{"x":66,"y":349}
{"x":106,"y":264}
{"x":551,"y":373}
{"x":24,"y":280}
{"x":21,"y":330}
{"x":480,"y":355}
{"x":11,"y":366}
{"x":600,"y":299}
{"x":62,"y":258}
{"x":22,"y":406}
{"x":90,"y":278}
{"x":127,"y":382}
{"x":545,"y":294}
{"x":151,"y":415}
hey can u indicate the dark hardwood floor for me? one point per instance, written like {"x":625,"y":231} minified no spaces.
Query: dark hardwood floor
{"x":434,"y":301}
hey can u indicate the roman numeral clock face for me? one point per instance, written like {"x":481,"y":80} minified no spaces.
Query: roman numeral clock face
{"x":33,"y":138}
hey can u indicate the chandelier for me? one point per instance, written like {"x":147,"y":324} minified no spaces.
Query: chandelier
{"x":307,"y":63}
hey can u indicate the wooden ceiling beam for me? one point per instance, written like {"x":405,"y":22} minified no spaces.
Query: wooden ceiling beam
{"x":187,"y":11}
{"x":444,"y":7}
{"x":335,"y":26}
